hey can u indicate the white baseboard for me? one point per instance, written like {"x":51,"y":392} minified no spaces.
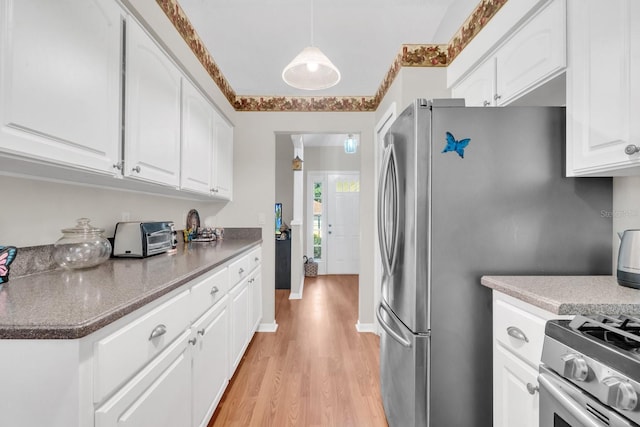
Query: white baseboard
{"x":366,"y":327}
{"x":267,"y":327}
{"x":298,"y":295}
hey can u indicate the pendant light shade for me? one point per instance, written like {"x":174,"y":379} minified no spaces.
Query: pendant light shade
{"x":311,"y":70}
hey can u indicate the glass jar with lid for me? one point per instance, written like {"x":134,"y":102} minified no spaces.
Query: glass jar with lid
{"x":82,"y":246}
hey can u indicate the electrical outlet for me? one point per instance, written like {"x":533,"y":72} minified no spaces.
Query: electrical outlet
{"x":261,"y":219}
{"x":126,"y":216}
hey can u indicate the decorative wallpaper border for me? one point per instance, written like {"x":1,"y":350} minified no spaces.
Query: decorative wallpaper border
{"x":411,"y":55}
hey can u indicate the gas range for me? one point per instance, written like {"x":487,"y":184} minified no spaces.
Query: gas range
{"x":600,"y":356}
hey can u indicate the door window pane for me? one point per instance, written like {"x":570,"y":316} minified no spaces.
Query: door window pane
{"x":317,"y":220}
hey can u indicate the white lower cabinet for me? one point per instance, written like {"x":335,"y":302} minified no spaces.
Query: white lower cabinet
{"x":515,"y":384}
{"x":255,"y":301}
{"x":518,"y":335}
{"x":239,"y":336}
{"x":210,"y":372}
{"x":167,"y":364}
{"x":157,"y":396}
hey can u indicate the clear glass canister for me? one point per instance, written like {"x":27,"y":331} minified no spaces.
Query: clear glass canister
{"x":82,"y":246}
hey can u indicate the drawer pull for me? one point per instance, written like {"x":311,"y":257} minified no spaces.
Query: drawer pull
{"x":241,"y":271}
{"x":158,"y":331}
{"x":532,"y":389}
{"x":193,"y":341}
{"x":214,"y":290}
{"x":516,"y":333}
{"x":256,"y":259}
{"x":201,"y":332}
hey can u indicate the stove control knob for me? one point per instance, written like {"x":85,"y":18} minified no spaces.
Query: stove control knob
{"x":620,"y":394}
{"x":575,"y":367}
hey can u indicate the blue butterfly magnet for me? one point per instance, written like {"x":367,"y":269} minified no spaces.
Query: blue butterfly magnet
{"x":457,"y":146}
{"x":7,"y":255}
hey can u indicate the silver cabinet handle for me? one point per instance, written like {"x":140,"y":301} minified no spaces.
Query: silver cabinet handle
{"x":136,"y":169}
{"x":486,"y":103}
{"x":532,"y":389}
{"x":516,"y":333}
{"x":158,"y":331}
{"x":241,"y":271}
{"x":631,"y":149}
{"x":201,"y":332}
{"x":256,"y":259}
{"x":118,"y":166}
{"x":214,"y":290}
{"x":193,"y":341}
{"x":496,"y":96}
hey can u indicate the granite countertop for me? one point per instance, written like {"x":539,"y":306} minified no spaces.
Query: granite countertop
{"x":569,"y":294}
{"x":62,"y":304}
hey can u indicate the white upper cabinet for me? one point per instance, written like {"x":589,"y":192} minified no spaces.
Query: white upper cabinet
{"x":532,"y":56}
{"x":478,"y":88}
{"x":152,"y":111}
{"x":603,"y":87}
{"x":60,"y":82}
{"x":222,"y":172}
{"x":197,"y":140}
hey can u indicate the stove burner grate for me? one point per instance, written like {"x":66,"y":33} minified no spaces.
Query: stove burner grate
{"x":622,"y":332}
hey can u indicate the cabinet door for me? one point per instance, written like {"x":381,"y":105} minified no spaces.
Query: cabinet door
{"x":160,"y":395}
{"x":602,"y":89}
{"x":210,"y":362}
{"x":535,"y":54}
{"x":60,"y":81}
{"x":222,"y":172}
{"x":515,"y":395}
{"x":478,"y":88}
{"x":238,"y":337}
{"x":255,"y":309}
{"x":152,"y":125}
{"x":197,"y":140}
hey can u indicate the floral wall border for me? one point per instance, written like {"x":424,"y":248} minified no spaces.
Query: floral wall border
{"x":410,"y":55}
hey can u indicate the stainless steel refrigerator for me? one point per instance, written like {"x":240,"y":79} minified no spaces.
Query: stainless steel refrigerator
{"x":466,"y":192}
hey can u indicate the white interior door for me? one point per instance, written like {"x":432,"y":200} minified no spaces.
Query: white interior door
{"x":343,"y":223}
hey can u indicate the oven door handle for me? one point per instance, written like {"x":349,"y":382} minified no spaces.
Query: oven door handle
{"x":550,"y":385}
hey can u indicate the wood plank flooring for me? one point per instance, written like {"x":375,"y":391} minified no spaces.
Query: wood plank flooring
{"x":316,"y":370}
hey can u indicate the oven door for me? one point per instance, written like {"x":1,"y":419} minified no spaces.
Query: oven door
{"x":564,"y":405}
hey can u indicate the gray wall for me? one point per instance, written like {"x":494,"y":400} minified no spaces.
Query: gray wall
{"x":284,"y":176}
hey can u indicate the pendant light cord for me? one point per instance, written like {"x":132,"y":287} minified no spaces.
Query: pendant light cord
{"x":311,"y":22}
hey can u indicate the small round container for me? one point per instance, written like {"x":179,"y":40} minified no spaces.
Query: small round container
{"x":82,"y":246}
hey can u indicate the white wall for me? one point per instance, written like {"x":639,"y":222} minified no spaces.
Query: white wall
{"x":255,"y":177}
{"x":33,"y":212}
{"x":626,"y":209}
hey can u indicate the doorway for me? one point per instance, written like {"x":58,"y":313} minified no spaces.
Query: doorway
{"x":333,"y":221}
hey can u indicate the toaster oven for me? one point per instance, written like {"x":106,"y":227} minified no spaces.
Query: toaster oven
{"x":138,"y":239}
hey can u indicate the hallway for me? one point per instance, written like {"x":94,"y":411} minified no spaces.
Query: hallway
{"x":316,"y":370}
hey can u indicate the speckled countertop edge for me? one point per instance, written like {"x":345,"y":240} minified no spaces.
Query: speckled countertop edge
{"x":69,"y":305}
{"x":569,"y":295}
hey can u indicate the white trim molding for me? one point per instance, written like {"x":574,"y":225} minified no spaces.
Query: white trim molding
{"x":267,"y":327}
{"x":367,"y":327}
{"x":298,"y":295}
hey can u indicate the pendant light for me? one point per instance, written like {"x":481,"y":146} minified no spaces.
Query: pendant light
{"x":311,"y":69}
{"x":350,"y":144}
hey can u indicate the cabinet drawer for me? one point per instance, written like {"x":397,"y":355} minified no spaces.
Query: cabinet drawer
{"x":238,"y":270}
{"x":124,"y":352}
{"x":520,"y":331}
{"x":209,"y":291}
{"x":255,"y":257}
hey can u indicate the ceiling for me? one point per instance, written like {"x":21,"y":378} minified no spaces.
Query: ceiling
{"x":251,"y":41}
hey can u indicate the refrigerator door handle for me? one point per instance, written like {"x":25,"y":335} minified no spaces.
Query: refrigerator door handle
{"x":388,"y":249}
{"x":396,"y":336}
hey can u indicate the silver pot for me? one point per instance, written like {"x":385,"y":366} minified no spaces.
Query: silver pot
{"x":628,"y":272}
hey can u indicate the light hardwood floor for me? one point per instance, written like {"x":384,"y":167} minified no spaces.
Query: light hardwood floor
{"x":316,"y":370}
